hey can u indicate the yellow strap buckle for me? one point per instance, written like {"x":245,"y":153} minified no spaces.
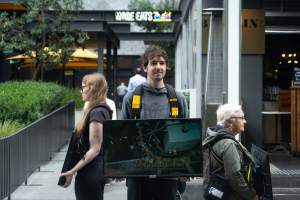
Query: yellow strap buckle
{"x":174,"y":112}
{"x":136,"y":102}
{"x":173,"y":100}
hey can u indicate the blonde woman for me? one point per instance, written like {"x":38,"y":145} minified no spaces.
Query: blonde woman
{"x":89,"y":182}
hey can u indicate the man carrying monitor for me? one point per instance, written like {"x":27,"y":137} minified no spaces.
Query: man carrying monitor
{"x":153,"y":100}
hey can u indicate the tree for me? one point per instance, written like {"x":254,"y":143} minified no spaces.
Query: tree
{"x":163,"y":5}
{"x":42,"y":32}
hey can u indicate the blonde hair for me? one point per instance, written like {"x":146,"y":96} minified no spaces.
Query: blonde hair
{"x":227,"y":111}
{"x":98,"y":91}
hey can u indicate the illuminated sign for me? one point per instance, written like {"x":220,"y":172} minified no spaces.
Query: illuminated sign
{"x":147,"y":16}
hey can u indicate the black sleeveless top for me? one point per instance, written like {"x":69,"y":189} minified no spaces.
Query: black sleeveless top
{"x":99,"y":114}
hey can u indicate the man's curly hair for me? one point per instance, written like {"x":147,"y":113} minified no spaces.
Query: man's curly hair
{"x":152,"y":52}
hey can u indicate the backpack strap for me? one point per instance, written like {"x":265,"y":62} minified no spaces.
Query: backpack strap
{"x":249,"y":172}
{"x":175,"y":109}
{"x":218,"y":138}
{"x":136,"y":104}
{"x":104,"y":105}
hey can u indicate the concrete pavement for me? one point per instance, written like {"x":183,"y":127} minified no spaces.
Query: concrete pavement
{"x":285,"y":172}
{"x":42,"y":185}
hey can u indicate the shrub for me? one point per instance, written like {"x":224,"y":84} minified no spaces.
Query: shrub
{"x":27,"y":101}
{"x":73,"y":95}
{"x":9,"y":127}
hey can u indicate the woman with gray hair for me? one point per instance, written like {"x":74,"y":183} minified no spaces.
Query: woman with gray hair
{"x":227,"y":157}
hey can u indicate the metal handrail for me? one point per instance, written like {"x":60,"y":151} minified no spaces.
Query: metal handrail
{"x":21,"y":154}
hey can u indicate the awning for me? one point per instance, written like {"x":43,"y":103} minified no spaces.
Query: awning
{"x":80,"y":59}
{"x":79,"y":53}
{"x":11,"y":7}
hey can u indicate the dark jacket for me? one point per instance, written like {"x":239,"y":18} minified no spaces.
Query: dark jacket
{"x":236,"y":159}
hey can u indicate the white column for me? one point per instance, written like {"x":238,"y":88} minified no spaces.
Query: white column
{"x":233,"y":50}
{"x":198,"y":73}
{"x":178,"y":64}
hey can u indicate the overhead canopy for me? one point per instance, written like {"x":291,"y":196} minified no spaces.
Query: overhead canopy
{"x":78,"y":53}
{"x":11,"y":7}
{"x":77,"y":64}
{"x":84,"y":53}
{"x":80,"y":59}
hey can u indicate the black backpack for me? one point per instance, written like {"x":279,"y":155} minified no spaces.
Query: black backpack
{"x":136,"y":105}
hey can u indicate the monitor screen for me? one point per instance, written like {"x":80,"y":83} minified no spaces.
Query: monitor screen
{"x":152,"y":148}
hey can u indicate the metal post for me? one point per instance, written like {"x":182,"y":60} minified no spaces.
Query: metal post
{"x":9,"y":170}
{"x":208,"y":59}
{"x":115,"y":67}
{"x":100,"y":46}
{"x":109,"y":69}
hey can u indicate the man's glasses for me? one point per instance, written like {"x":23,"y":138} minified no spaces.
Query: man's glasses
{"x":242,"y":117}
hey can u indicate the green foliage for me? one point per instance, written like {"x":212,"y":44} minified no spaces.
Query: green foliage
{"x":43,"y":32}
{"x":8,"y":128}
{"x":73,"y":94}
{"x":147,"y":5}
{"x":25,"y":102}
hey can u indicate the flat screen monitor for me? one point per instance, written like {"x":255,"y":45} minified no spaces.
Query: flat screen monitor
{"x":263,"y":179}
{"x":152,"y":148}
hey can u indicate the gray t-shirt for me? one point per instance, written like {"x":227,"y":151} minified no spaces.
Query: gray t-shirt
{"x":155,"y":104}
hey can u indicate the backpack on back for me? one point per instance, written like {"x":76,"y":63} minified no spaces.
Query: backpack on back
{"x":136,"y":104}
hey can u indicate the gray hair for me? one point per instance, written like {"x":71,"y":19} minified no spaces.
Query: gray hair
{"x":227,"y":111}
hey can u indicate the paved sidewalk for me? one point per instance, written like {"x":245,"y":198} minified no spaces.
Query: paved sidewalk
{"x":42,"y":185}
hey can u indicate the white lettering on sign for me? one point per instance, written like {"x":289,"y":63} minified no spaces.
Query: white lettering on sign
{"x":143,"y":16}
{"x":124,"y":16}
{"x":147,"y":16}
